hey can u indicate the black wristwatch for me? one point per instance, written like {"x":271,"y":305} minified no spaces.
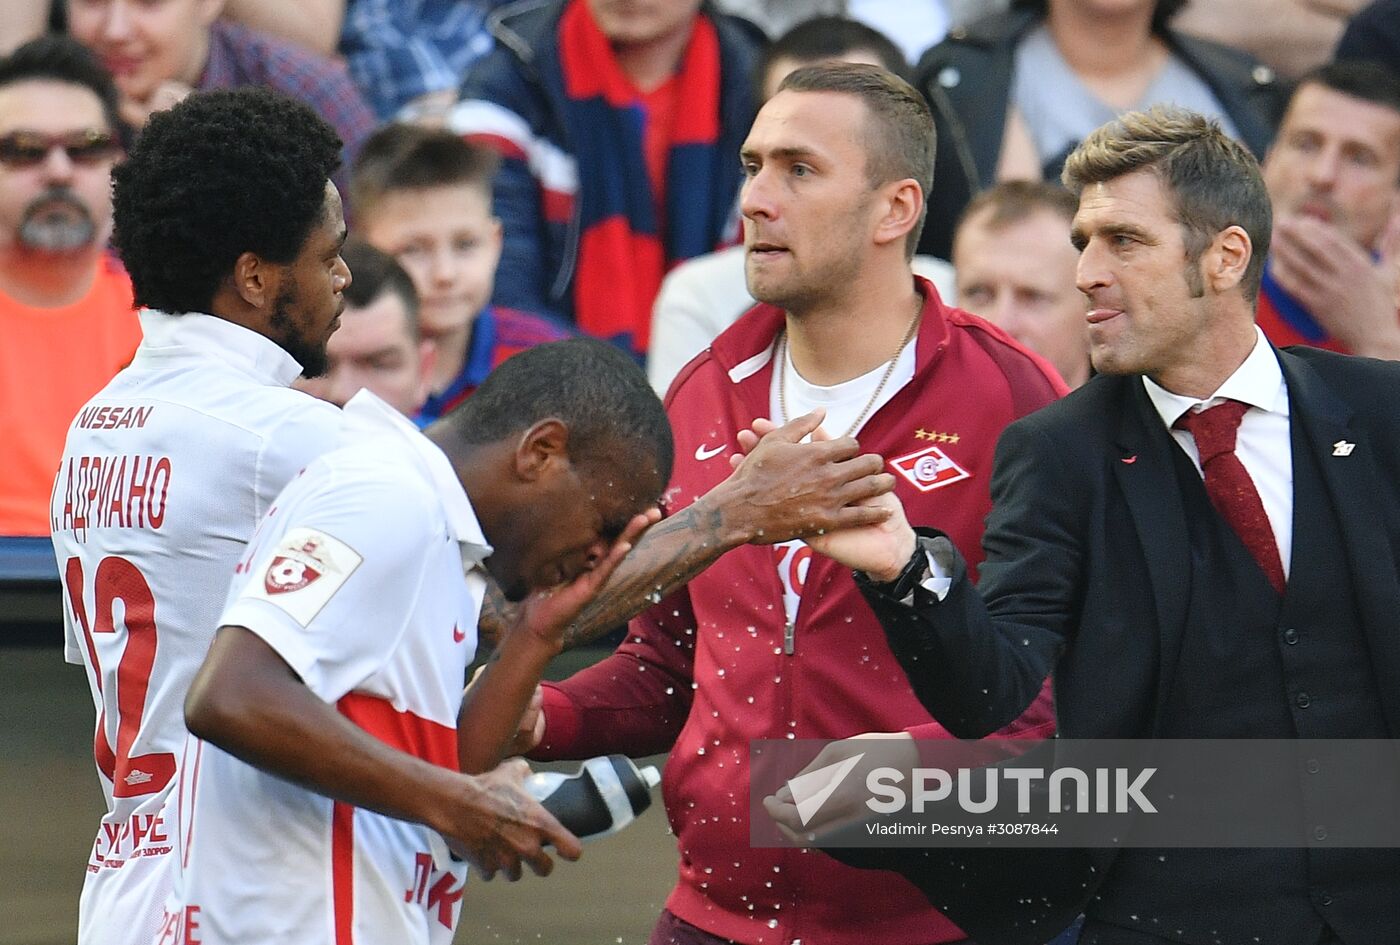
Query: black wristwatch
{"x":915,"y":572}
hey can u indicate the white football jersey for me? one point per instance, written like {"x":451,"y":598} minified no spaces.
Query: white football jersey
{"x":166,"y":473}
{"x":356,"y":580}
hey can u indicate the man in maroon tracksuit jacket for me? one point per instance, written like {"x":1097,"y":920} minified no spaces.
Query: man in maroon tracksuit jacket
{"x":775,"y":641}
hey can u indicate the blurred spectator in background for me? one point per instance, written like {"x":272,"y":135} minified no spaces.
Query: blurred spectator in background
{"x":914,"y":24}
{"x":703,"y":296}
{"x":423,"y":196}
{"x":23,"y":20}
{"x":412,"y":54}
{"x":1016,"y":268}
{"x":1374,"y":34}
{"x":1292,"y":36}
{"x":1013,"y":94}
{"x":1334,"y":178}
{"x":160,"y":51}
{"x":312,"y":24}
{"x":618,"y":122}
{"x":377,"y":346}
{"x":825,"y":39}
{"x":66,"y":319}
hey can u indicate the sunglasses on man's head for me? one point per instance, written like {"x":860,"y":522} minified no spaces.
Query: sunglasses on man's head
{"x":29,"y":148}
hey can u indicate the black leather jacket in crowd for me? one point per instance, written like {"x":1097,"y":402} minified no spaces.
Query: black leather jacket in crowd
{"x":967,"y":81}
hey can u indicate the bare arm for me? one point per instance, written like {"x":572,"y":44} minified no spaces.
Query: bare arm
{"x":314,"y":24}
{"x":493,"y":704}
{"x":783,"y":489}
{"x":248,"y":701}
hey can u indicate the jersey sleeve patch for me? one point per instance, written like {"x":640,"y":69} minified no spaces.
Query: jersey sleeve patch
{"x":305,"y":570}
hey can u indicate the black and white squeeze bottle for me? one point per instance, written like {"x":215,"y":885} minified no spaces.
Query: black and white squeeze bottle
{"x":606,"y":794}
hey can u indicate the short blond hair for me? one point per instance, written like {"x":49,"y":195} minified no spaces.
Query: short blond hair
{"x":1214,"y":181}
{"x":899,"y":139}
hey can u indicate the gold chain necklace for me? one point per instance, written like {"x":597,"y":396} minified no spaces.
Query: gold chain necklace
{"x":889,"y":371}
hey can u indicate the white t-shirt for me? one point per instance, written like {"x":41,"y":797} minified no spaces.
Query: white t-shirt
{"x":844,"y":404}
{"x":356,"y":579}
{"x":165,"y":475}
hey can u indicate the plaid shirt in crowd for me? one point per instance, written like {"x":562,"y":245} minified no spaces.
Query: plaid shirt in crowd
{"x":240,"y":56}
{"x":398,"y":50}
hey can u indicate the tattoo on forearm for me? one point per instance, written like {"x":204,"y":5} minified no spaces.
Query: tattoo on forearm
{"x":497,"y":614}
{"x":668,"y":555}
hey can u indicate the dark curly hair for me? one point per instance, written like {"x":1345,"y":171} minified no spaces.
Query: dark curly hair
{"x":220,"y":174}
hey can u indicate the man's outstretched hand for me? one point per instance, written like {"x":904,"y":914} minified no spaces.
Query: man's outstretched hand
{"x":547,"y":613}
{"x":879,"y":546}
{"x":783,"y":488}
{"x":846,"y":803}
{"x":492,"y":719}
{"x":499,"y":827}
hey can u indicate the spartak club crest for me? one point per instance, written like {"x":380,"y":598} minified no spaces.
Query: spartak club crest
{"x":295,"y":569}
{"x":929,"y":469}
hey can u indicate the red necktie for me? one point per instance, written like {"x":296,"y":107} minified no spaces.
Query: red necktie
{"x":1229,"y":486}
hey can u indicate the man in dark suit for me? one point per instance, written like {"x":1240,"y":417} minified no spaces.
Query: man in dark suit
{"x":1201,"y":543}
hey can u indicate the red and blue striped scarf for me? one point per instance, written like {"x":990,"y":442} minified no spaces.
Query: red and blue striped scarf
{"x":624,"y":250}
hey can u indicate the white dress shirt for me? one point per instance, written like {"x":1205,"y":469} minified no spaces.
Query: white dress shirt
{"x":1262,"y":444}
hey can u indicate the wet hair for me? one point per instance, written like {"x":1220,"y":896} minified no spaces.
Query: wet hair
{"x":593,"y":387}
{"x":375,"y":273}
{"x":1161,"y":13}
{"x":222,"y":173}
{"x":1212,"y":178}
{"x":1014,"y":200}
{"x":829,"y":37}
{"x":899,"y":132}
{"x":64,"y":59}
{"x":411,"y":157}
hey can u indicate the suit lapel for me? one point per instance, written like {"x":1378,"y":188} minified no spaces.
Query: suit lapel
{"x":1322,"y":424}
{"x":1146,"y":474}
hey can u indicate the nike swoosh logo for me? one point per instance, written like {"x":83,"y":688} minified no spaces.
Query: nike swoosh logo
{"x":457,"y":635}
{"x":703,"y":454}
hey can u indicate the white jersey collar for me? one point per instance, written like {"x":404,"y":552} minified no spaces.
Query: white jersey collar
{"x":170,"y":336}
{"x":367,"y":415}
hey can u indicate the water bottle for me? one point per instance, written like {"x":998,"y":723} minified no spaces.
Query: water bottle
{"x":606,"y":794}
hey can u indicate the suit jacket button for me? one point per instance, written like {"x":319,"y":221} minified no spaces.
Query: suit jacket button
{"x":1290,"y":636}
{"x":1303,"y":700}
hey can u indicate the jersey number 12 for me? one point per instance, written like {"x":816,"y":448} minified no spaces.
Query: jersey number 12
{"x":119,"y":579}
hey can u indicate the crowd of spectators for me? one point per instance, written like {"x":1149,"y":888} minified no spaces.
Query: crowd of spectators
{"x":550,"y":167}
